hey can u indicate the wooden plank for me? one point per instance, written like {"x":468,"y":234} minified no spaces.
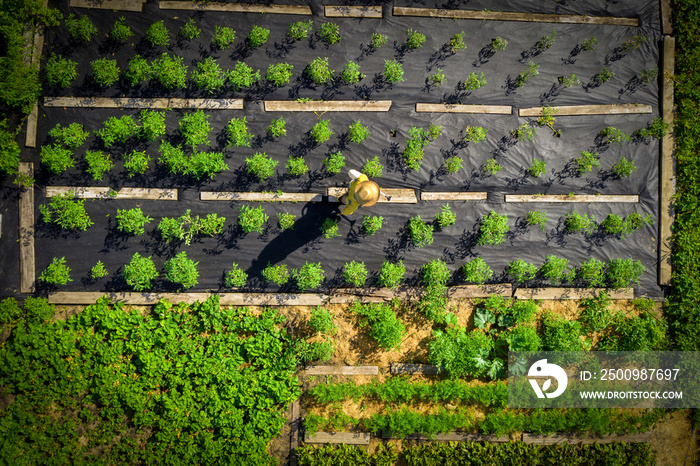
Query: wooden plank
{"x":422,"y":369}
{"x":574,"y":110}
{"x":513,"y":16}
{"x":349,"y":438}
{"x":228,"y":299}
{"x":328,"y":106}
{"x":349,"y":295}
{"x":294,"y":436}
{"x":394,"y":196}
{"x":342,"y":11}
{"x":627,"y":198}
{"x":667,"y":173}
{"x":586,"y":440}
{"x":120,"y":5}
{"x":236,"y":7}
{"x":479,"y":291}
{"x":116,"y":102}
{"x":453,"y":196}
{"x":90,"y":192}
{"x":32,"y":120}
{"x":342,"y":370}
{"x":262,"y":197}
{"x":27,"y":268}
{"x":560,"y":293}
{"x":666,"y":24}
{"x":453,"y":436}
{"x":464,"y":108}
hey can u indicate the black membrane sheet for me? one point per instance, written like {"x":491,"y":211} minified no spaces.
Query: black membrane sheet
{"x":457,"y":243}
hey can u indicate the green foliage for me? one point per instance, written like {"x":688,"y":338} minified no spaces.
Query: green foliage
{"x":66,"y":213}
{"x":321,"y":132}
{"x":9,"y":150}
{"x":390,"y":275}
{"x":199,"y":164}
{"x":475,"y":134}
{"x":622,"y":273}
{"x":589,"y":44}
{"x":276,"y":273}
{"x":277,"y":128}
{"x":532,"y":70}
{"x":181,"y":270}
{"x":315,"y":351}
{"x":434,"y":131}
{"x":434,"y":303}
{"x":414,"y":40}
{"x":592,"y":271}
{"x":648,"y":76}
{"x":656,"y":129}
{"x":323,"y":321}
{"x":132,"y":221}
{"x":611,"y":134}
{"x":453,"y":164}
{"x":300,"y":30}
{"x":459,"y":352}
{"x":561,"y":334}
{"x":136,"y":162}
{"x":373,"y":168}
{"x":393,"y":71}
{"x":195,"y":128}
{"x":238,"y":135}
{"x":71,"y":136}
{"x":351,"y":73}
{"x":152,"y":124}
{"x":157,"y":34}
{"x":437,"y":78}
{"x":371,"y":224}
{"x":445,"y":217}
{"x":258,"y":36}
{"x":140,"y":272}
{"x":137,"y":71}
{"x":334,"y":163}
{"x":385,"y":325}
{"x":525,"y":132}
{"x":80,"y":29}
{"x":105,"y":72}
{"x":421,"y":233}
{"x":60,"y":71}
{"x":355,"y":273}
{"x":634,"y":43}
{"x":587,"y":161}
{"x":261,"y":166}
{"x":319,"y":71}
{"x":624,"y":168}
{"x":296,"y":166}
{"x":189,"y":30}
{"x":537,"y":168}
{"x":604,"y":76}
{"x":235,"y":277}
{"x":186,"y":227}
{"x":536,"y":218}
{"x":498,"y":44}
{"x":242,"y":75}
{"x":457,"y":42}
{"x":329,"y":228}
{"x":310,"y":275}
{"x":521,"y":271}
{"x":491,"y":167}
{"x":570,"y":81}
{"x":117,"y":130}
{"x":557,"y":269}
{"x":252,"y":219}
{"x":98,"y":271}
{"x":413,"y":153}
{"x":286,"y":221}
{"x":170,"y":72}
{"x":208,"y":75}
{"x":223,"y":37}
{"x":547,"y":41}
{"x":474,"y":82}
{"x":521,"y":338}
{"x":575,"y":222}
{"x":596,"y":314}
{"x":377,"y":40}
{"x":279,"y":74}
{"x":56,"y":273}
{"x":493,"y":229}
{"x":613,"y":224}
{"x":644,"y":333}
{"x":547,"y":119}
{"x":477,"y":271}
{"x":358,"y":132}
{"x":56,"y":159}
{"x":435,"y":272}
{"x":329,"y":33}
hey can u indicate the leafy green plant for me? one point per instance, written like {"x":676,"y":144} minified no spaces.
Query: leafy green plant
{"x":296,"y":166}
{"x":99,"y":163}
{"x":589,"y":44}
{"x":208,"y":75}
{"x":371,"y":224}
{"x":319,"y":71}
{"x":557,"y":269}
{"x":521,"y":271}
{"x":136,"y":162}
{"x":643,"y":333}
{"x":532,"y":70}
{"x":624,"y":168}
{"x":477,"y":271}
{"x":9,"y":150}
{"x":413,"y":153}
{"x":195,"y":128}
{"x":434,"y":131}
{"x":189,"y":31}
{"x":310,"y":275}
{"x":537,"y":168}
{"x":421,"y":233}
{"x":238,"y":135}
{"x":120,"y":32}
{"x":373,"y":168}
{"x":613,"y":224}
{"x":187,"y":227}
{"x":71,"y":136}
{"x":592,"y":271}
{"x":461,"y":353}
{"x":648,"y":76}
{"x":242,"y":75}
{"x":98,"y":271}
{"x":445,"y":217}
{"x":258,"y":36}
{"x":157,"y":34}
{"x":105,"y":72}
{"x":252,"y":219}
{"x":569,"y":81}
{"x":235,"y":277}
{"x":60,"y":71}
{"x":493,"y":229}
{"x":561,"y":334}
{"x":575,"y":222}
{"x":393,"y":71}
{"x":67,"y":213}
{"x":261,"y":166}
{"x":437,"y":78}
{"x":117,"y":130}
{"x":604,"y":76}
{"x":276,"y":273}
{"x":624,"y":272}
{"x":453,"y":164}
{"x":491,"y":167}
{"x":334,"y":163}
{"x":611,"y":134}
{"x":377,"y":40}
{"x":435,"y":272}
{"x":140,"y":272}
{"x":170,"y":72}
{"x":656,"y":129}
{"x":321,"y":132}
{"x":386,"y":327}
{"x":355,"y":273}
{"x":56,"y":273}
{"x":414,"y":39}
{"x":223,"y":37}
{"x":137,"y":71}
{"x":536,"y":218}
{"x":351,"y":73}
{"x":279,"y":74}
{"x":547,"y":41}
{"x":286,"y":221}
{"x":634,"y":43}
{"x":323,"y":321}
{"x":300,"y":30}
{"x":181,"y":270}
{"x":56,"y":159}
{"x":525,"y":132}
{"x":152,"y":124}
{"x":587,"y":161}
{"x":475,"y":134}
{"x":390,"y":275}
{"x":329,"y":228}
{"x":547,"y":119}
{"x":474,"y":82}
{"x":498,"y":44}
{"x":277,"y":128}
{"x":80,"y":29}
{"x":329,"y":33}
{"x":132,"y":221}
{"x":358,"y":132}
{"x":457,"y":43}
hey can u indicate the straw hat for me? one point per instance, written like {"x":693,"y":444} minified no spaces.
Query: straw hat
{"x":367,"y":193}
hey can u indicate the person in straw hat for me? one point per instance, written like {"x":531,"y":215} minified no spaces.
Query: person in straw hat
{"x":362,"y":193}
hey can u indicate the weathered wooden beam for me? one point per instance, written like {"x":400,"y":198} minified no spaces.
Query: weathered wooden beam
{"x":236,"y":7}
{"x":575,"y":110}
{"x":92,"y":192}
{"x":228,"y":299}
{"x":450,"y":437}
{"x":349,"y":295}
{"x":327,"y":106}
{"x":117,"y":102}
{"x":453,"y":196}
{"x":667,"y":172}
{"x":666,"y":24}
{"x":627,"y":198}
{"x":119,"y":5}
{"x":394,"y":196}
{"x":586,"y":440}
{"x":513,"y":16}
{"x":464,"y":108}
{"x":27,"y":268}
{"x":32,"y":125}
{"x":342,"y":11}
{"x":422,"y":369}
{"x":262,"y":197}
{"x":349,"y":438}
{"x":561,"y":293}
{"x":342,"y":370}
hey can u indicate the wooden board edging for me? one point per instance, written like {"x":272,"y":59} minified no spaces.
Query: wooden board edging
{"x":667,"y":173}
{"x":388,"y":195}
{"x":327,"y":106}
{"x":561,"y":293}
{"x":453,"y":436}
{"x":341,"y":370}
{"x":117,"y":102}
{"x":260,"y":197}
{"x":228,"y":299}
{"x":514,"y":16}
{"x":89,"y":192}
{"x":453,"y":196}
{"x":575,"y":110}
{"x":464,"y":108}
{"x":627,"y":198}
{"x":350,"y":438}
{"x":119,"y":5}
{"x":236,"y":7}
{"x":350,"y":295}
{"x":27,"y":261}
{"x":343,"y":11}
{"x":423,"y":369}
{"x":585,"y":440}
